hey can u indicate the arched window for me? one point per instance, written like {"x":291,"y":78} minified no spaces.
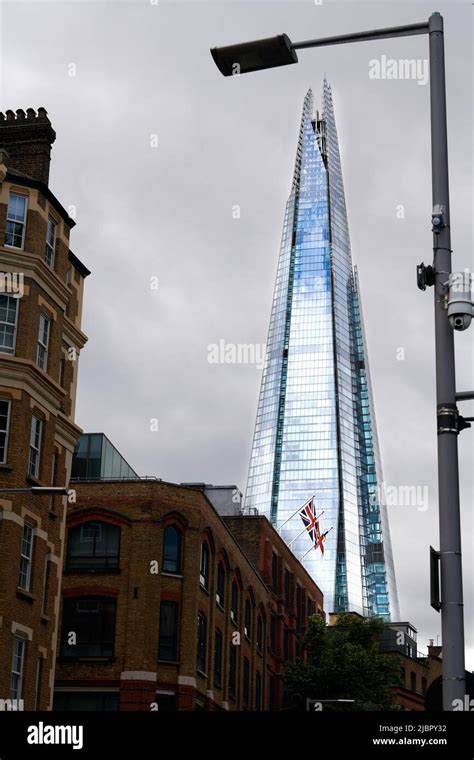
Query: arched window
{"x":424,"y":685}
{"x":204,"y":566}
{"x":248,"y":620}
{"x":259,"y":633}
{"x":93,"y":545}
{"x":234,"y":603}
{"x":413,"y":681}
{"x":201,"y":642}
{"x":220,"y":586}
{"x":258,"y":690}
{"x":172,"y":545}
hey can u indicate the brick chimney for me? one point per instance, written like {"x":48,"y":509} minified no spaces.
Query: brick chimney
{"x":27,"y":137}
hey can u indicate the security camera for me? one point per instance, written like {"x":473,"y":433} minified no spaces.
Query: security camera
{"x":460,"y":307}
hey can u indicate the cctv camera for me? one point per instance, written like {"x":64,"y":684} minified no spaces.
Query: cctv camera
{"x":460,"y":307}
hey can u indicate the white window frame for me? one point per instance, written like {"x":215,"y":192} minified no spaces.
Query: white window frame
{"x":17,"y":673}
{"x":15,"y":221}
{"x":7,"y":429}
{"x":50,"y":248}
{"x":42,"y":345}
{"x":26,"y":558}
{"x":33,"y":447}
{"x":3,"y":350}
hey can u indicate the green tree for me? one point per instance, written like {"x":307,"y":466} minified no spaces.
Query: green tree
{"x":343,"y":662}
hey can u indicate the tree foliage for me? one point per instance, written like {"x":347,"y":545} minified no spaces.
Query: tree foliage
{"x":343,"y":662}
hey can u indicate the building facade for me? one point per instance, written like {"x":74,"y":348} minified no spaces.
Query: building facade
{"x":315,"y":432}
{"x":162,"y":606}
{"x":41,"y":291}
{"x":417,"y":670}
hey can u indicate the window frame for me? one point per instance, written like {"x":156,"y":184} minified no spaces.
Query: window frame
{"x":15,"y":221}
{"x":6,"y":432}
{"x":110,"y":562}
{"x":246,"y":682}
{"x":217,"y":678}
{"x":220,"y":592}
{"x":17,"y":673}
{"x":174,"y":637}
{"x":100,"y":600}
{"x":234,"y":610}
{"x":25,"y":558}
{"x":42,"y":344}
{"x":201,"y":643}
{"x":35,"y":448}
{"x":179,"y":559}
{"x":204,"y":564}
{"x":248,"y":620}
{"x":16,"y":301}
{"x":50,"y":248}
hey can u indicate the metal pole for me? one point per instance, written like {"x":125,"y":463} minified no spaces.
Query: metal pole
{"x":452,"y":625}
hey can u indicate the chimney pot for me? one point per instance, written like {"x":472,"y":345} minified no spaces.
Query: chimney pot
{"x":42,"y":113}
{"x":30,"y":113}
{"x":20,"y":114}
{"x":10,"y":115}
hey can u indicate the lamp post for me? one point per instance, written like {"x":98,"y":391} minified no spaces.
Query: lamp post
{"x":280,"y":51}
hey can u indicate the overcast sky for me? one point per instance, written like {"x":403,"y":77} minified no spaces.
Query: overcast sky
{"x":112,"y":75}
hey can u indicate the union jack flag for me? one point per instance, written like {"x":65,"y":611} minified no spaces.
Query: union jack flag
{"x":308,"y":515}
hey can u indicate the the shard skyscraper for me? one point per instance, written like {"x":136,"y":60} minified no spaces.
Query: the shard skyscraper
{"x":315,"y":432}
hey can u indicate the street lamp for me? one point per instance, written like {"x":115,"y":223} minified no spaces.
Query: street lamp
{"x":279,"y":51}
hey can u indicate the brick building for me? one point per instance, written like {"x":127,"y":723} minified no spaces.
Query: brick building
{"x":164,"y":604}
{"x":417,"y":670}
{"x":41,"y":290}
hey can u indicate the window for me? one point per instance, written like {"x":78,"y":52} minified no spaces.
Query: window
{"x":43,"y":342}
{"x":35,"y":446}
{"x":310,"y":607}
{"x":273,"y":623}
{"x":62,"y":366}
{"x":201,"y":642}
{"x":220,"y":587}
{"x":168,"y":638}
{"x":18,"y":661}
{"x":298,"y":609}
{"x":16,"y":219}
{"x":246,"y":683}
{"x":259,"y":633}
{"x":46,"y":580}
{"x":271,"y":691}
{"x":424,"y":685}
{"x":287,"y":588}
{"x":4,"y":429}
{"x":50,"y":249}
{"x":54,"y":478}
{"x":26,"y":557}
{"x":248,"y":620}
{"x":172,"y":543}
{"x":8,"y":321}
{"x":92,"y":620}
{"x":204,"y":569}
{"x":232,"y":670}
{"x":286,"y":643}
{"x":258,"y":690}
{"x":274,"y":572}
{"x":413,"y":681}
{"x":234,"y":603}
{"x":95,"y":701}
{"x":93,"y":545}
{"x":218,"y":659}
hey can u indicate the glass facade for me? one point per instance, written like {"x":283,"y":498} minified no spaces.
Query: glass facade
{"x":315,"y":432}
{"x":95,"y":458}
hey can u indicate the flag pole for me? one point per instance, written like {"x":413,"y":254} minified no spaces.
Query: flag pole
{"x":294,"y":513}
